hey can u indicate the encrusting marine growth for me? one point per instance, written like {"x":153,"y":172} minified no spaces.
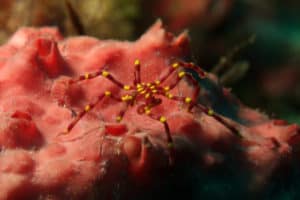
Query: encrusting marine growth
{"x":82,"y":118}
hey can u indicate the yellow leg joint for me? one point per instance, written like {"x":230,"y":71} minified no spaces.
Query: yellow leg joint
{"x":147,"y":112}
{"x":118,"y":118}
{"x":140,"y":89}
{"x":187,"y":100}
{"x":143,"y":92}
{"x":105,"y":73}
{"x":170,"y":145}
{"x":124,"y":98}
{"x":175,"y":65}
{"x":166,"y":88}
{"x":170,"y":96}
{"x":210,"y":112}
{"x":181,"y":74}
{"x":137,"y":62}
{"x":126,"y":87}
{"x":87,"y":108}
{"x":107,"y":93}
{"x":162,"y":119}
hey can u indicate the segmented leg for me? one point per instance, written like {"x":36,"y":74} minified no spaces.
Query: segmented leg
{"x":192,"y":66}
{"x":88,"y":108}
{"x":137,"y":72}
{"x":194,"y":98}
{"x":171,"y":69}
{"x":193,"y":101}
{"x":146,"y":109}
{"x":170,"y":144}
{"x":190,"y":100}
{"x":102,"y":73}
{"x":128,"y":99}
{"x":220,"y":119}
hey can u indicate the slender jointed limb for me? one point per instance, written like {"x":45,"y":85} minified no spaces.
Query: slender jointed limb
{"x":89,"y":107}
{"x":103,"y":73}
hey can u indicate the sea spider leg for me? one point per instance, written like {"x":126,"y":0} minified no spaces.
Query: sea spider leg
{"x":88,"y":108}
{"x":105,"y":74}
{"x":217,"y":117}
{"x":137,"y":72}
{"x":193,"y":101}
{"x":88,"y":76}
{"x":192,"y":66}
{"x":196,"y":92}
{"x":129,"y":101}
{"x":181,"y":74}
{"x":162,"y":119}
{"x":146,"y":109}
{"x":171,"y":69}
{"x":204,"y":109}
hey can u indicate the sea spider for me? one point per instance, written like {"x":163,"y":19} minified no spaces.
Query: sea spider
{"x":147,"y":95}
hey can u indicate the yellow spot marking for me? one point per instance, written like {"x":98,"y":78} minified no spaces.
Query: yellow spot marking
{"x":170,"y":145}
{"x":157,"y":82}
{"x":154,"y":91}
{"x":124,"y":98}
{"x":175,"y":65}
{"x":152,"y":87}
{"x":126,"y":87}
{"x":118,"y":118}
{"x":162,"y":119}
{"x":86,"y":75}
{"x":105,"y":73}
{"x":181,"y":74}
{"x":147,"y":95}
{"x":210,"y":112}
{"x":146,"y":108}
{"x":147,"y":112}
{"x":107,"y":93}
{"x":149,"y":84}
{"x":167,"y":88}
{"x":137,"y":62}
{"x":139,"y":86}
{"x":87,"y":108}
{"x":170,"y":96}
{"x":143,"y":92}
{"x":187,"y":100}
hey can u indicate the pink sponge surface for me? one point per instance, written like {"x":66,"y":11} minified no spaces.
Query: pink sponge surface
{"x":37,"y":104}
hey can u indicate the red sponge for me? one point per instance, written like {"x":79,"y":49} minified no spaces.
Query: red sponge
{"x":80,"y":115}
